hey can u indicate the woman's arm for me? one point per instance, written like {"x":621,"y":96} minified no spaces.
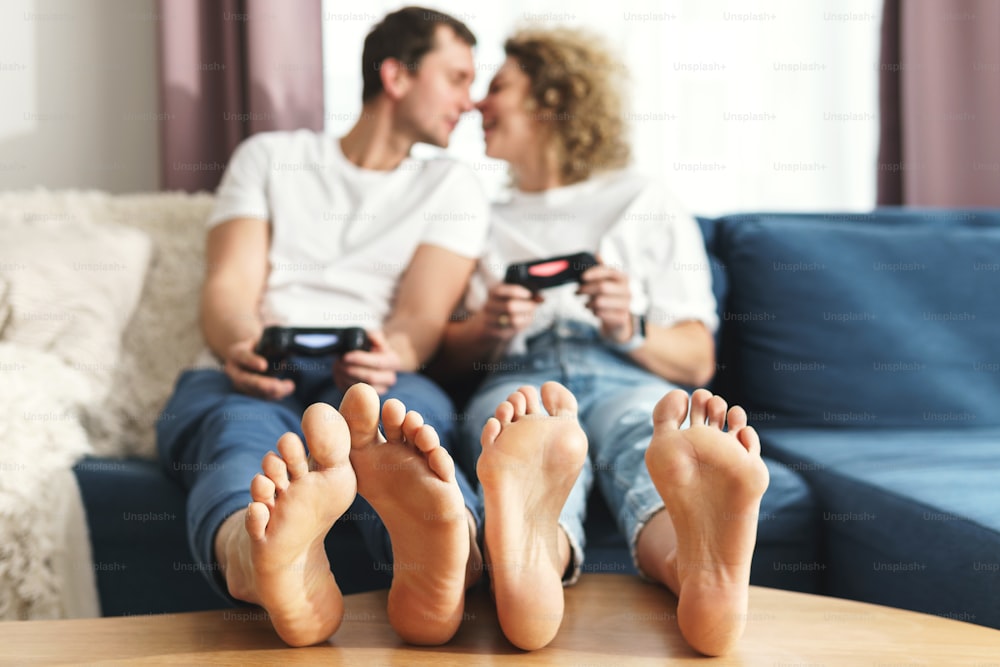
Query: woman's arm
{"x":683,"y":353}
{"x":481,"y":337}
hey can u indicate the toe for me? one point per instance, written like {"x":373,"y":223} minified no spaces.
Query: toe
{"x":256,"y":520}
{"x":360,"y":408}
{"x":294,"y":454}
{"x":439,"y":461}
{"x":518,"y":401}
{"x":671,"y":410}
{"x":275,"y":469}
{"x":532,"y":405}
{"x":699,"y":406}
{"x":327,"y":434}
{"x":505,"y":413}
{"x":426,"y":438}
{"x":393,"y":414}
{"x":749,"y":439}
{"x":412,"y":424}
{"x":490,"y":432}
{"x":262,"y":490}
{"x":736,"y":418}
{"x":717,"y":412}
{"x":559,"y":401}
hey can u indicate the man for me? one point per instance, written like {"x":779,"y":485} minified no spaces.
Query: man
{"x":310,"y":230}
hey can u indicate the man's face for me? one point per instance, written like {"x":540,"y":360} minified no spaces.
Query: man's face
{"x":439,"y":90}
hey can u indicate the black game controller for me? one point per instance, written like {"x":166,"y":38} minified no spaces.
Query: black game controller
{"x":278,"y":343}
{"x":551,"y":272}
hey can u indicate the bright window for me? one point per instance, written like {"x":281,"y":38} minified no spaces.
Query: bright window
{"x":735,"y":105}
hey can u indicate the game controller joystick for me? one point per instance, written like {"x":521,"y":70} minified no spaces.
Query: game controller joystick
{"x":278,"y":343}
{"x":544,"y":273}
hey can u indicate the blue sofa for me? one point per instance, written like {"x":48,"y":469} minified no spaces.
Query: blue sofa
{"x":861,"y":345}
{"x":866,"y":348}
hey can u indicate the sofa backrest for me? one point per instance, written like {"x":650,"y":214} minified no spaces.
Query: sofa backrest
{"x":162,"y":336}
{"x":881,"y":319}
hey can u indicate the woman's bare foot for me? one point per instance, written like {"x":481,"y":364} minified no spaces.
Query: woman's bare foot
{"x":711,"y":482}
{"x":409,"y":479}
{"x":529,"y":464}
{"x":272,"y":553}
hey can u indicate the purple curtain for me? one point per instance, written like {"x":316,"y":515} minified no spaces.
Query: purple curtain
{"x":229,"y":69}
{"x":940,"y":103}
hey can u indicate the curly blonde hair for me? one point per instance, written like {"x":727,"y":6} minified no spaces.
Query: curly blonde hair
{"x":575,"y":84}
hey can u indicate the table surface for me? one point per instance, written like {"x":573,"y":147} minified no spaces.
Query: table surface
{"x":610,"y":620}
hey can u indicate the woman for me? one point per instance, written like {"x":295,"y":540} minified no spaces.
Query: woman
{"x":635,"y":327}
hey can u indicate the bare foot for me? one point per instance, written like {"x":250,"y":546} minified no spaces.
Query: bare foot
{"x":529,"y":464}
{"x":409,"y":479}
{"x":711,"y":482}
{"x":276,"y":558}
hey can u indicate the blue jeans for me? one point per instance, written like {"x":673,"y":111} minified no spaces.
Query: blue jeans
{"x":616,"y":399}
{"x":212,"y":439}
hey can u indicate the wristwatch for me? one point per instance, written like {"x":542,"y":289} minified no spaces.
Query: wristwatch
{"x":637,"y":339}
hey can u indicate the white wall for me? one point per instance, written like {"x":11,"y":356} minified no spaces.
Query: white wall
{"x":78,"y":95}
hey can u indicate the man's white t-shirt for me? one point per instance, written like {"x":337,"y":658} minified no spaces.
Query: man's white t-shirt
{"x":630,"y":222}
{"x":342,"y":236}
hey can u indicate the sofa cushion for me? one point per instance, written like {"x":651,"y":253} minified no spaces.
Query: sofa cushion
{"x":73,"y":287}
{"x":884,"y":319}
{"x":720,"y":282}
{"x":909,"y":515}
{"x":163,"y":336}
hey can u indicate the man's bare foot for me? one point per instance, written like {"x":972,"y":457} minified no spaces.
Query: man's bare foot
{"x":272,"y":553}
{"x":529,"y":464}
{"x":711,"y":482}
{"x":409,"y":479}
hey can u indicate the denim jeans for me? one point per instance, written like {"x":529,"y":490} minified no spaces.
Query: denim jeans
{"x":211,"y":439}
{"x":616,"y":399}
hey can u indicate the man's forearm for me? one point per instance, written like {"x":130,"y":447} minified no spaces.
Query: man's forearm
{"x":227,"y":317}
{"x":466,"y":346}
{"x":413,"y":340}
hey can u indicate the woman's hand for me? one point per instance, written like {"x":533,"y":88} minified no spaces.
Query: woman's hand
{"x":509,"y":309}
{"x":377,"y":367}
{"x":247,"y":370}
{"x":609,"y":298}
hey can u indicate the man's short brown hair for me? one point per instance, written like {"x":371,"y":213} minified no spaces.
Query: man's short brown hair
{"x":406,"y":35}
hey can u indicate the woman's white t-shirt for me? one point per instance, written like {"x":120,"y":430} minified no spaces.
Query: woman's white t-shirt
{"x":630,"y":222}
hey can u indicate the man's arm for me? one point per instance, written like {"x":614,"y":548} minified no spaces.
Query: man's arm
{"x":235,"y":274}
{"x":236,"y":269}
{"x":426,"y":295}
{"x":683,"y":352}
{"x":425,"y":299}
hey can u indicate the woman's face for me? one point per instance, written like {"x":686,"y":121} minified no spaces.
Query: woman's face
{"x":511,"y":129}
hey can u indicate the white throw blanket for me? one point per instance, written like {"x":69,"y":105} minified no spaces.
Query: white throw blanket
{"x":45,"y":563}
{"x":47,"y":422}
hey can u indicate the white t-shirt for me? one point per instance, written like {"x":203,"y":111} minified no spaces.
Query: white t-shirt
{"x":631,"y":223}
{"x":342,"y":236}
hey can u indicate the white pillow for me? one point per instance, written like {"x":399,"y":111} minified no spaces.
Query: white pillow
{"x":72,"y":288}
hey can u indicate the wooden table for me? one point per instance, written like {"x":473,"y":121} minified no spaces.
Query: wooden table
{"x":610,"y":620}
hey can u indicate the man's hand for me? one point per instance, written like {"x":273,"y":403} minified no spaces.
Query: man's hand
{"x":609,"y":298}
{"x":376,"y":367}
{"x":247,"y":371}
{"x":508,"y":310}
